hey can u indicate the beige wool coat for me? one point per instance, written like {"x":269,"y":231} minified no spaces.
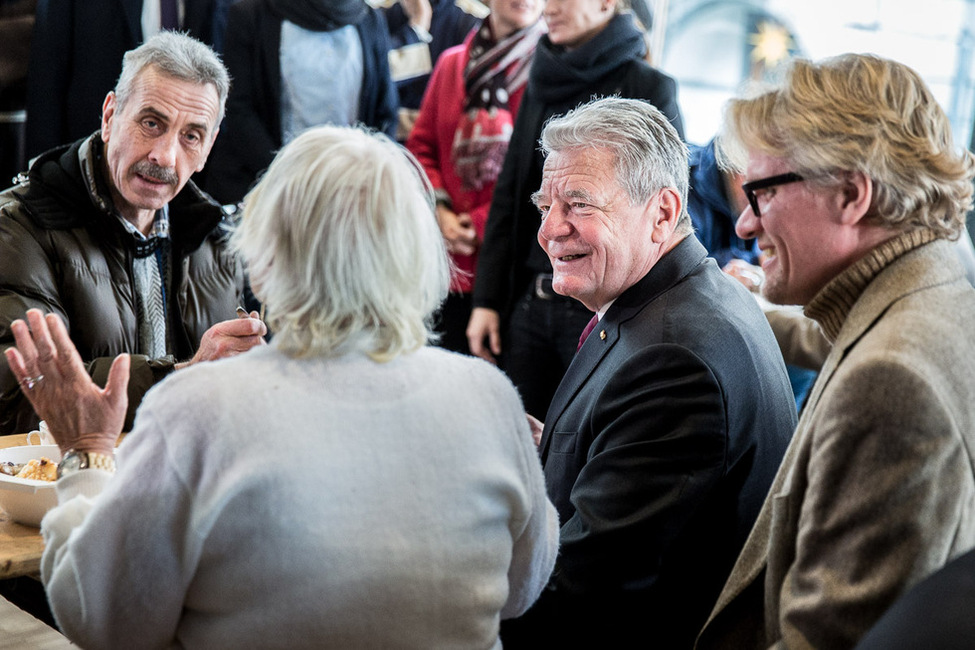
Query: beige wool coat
{"x":877,"y":488}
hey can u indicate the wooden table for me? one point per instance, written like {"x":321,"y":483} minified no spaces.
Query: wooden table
{"x":20,"y":546}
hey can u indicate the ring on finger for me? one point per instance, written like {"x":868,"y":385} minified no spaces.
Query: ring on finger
{"x":30,"y":382}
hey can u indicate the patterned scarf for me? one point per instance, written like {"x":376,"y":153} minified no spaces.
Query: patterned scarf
{"x":495,"y":71}
{"x":150,"y":266}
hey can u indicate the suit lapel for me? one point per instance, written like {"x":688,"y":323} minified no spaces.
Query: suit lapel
{"x":587,"y":359}
{"x":668,"y":271}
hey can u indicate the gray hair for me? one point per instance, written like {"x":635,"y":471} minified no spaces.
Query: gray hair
{"x":179,"y":56}
{"x":343,"y":246}
{"x":649,"y":154}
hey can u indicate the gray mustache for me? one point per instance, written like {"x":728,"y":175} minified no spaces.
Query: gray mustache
{"x":156,"y":172}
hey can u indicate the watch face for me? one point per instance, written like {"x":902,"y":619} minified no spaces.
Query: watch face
{"x":70,"y":463}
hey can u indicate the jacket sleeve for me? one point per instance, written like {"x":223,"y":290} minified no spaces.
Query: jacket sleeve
{"x":400,"y":32}
{"x":423,"y":140}
{"x":800,"y":338}
{"x":496,"y":257}
{"x":387,"y":98}
{"x":144,"y":373}
{"x":90,"y":591}
{"x":28,"y":280}
{"x":667,"y":103}
{"x":887,"y":502}
{"x":536,"y":542}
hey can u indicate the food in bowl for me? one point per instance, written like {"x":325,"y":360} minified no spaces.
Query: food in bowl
{"x":27,"y":500}
{"x":39,"y":469}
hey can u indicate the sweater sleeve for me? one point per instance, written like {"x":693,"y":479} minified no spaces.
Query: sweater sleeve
{"x":106,"y":558}
{"x":536,"y":543}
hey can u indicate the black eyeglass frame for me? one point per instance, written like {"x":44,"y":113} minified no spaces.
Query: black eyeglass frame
{"x":751,"y":187}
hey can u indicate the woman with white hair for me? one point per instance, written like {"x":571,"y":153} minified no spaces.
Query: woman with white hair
{"x":321,"y":491}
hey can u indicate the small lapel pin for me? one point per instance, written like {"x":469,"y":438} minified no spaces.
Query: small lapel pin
{"x":602,"y":335}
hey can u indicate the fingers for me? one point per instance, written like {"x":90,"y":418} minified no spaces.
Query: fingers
{"x":241,"y":327}
{"x":46,"y":352}
{"x":66,"y":354}
{"x":484,"y":324}
{"x":460,"y":248}
{"x":26,"y":361}
{"x":118,"y":381}
{"x":16,"y":363}
{"x":494,"y":337}
{"x":26,"y":352}
{"x":536,"y":427}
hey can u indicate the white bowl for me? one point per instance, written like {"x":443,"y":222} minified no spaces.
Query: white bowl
{"x":27,"y":500}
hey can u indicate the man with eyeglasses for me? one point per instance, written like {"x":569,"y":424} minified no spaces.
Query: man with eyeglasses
{"x":855,"y":194}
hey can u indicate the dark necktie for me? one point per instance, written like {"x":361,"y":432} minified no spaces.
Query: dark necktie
{"x":586,"y":332}
{"x":168,"y":14}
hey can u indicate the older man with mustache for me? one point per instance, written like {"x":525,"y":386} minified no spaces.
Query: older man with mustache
{"x":110,"y":234}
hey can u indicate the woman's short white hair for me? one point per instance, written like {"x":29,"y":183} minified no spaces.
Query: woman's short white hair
{"x":343,"y":246}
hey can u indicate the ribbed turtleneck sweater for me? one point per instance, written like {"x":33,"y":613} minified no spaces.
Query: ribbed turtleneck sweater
{"x":833,"y":303}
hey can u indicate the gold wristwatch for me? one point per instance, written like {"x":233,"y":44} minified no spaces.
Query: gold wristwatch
{"x":74,"y":461}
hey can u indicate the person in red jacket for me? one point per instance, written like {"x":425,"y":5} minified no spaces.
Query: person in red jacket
{"x":461,"y":137}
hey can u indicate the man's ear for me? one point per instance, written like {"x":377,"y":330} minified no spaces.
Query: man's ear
{"x":666,"y":209}
{"x":108,"y":113}
{"x":856,"y":197}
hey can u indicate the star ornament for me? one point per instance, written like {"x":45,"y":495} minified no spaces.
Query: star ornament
{"x":771,"y":44}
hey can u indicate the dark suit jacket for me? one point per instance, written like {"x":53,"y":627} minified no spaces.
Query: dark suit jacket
{"x":76,"y":58}
{"x":937,"y":614}
{"x":659,"y":448}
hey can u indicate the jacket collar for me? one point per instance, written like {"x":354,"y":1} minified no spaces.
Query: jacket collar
{"x":669,"y":270}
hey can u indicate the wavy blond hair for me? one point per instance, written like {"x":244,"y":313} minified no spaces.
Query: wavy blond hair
{"x":863,"y":113}
{"x":343,"y":247}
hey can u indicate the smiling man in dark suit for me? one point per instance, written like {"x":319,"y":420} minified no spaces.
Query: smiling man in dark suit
{"x":665,"y":433}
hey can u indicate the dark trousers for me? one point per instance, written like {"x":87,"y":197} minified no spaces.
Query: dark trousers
{"x":543,"y":334}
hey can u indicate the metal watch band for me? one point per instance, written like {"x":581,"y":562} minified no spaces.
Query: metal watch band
{"x":74,"y":461}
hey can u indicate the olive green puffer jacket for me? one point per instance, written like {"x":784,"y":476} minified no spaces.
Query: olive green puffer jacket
{"x":63,"y":250}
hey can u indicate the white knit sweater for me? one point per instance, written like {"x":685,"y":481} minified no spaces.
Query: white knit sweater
{"x":263,"y":501}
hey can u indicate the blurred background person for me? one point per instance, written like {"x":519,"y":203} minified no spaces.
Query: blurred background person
{"x":297,"y":64}
{"x":322,"y":491}
{"x":420,"y":31}
{"x":76,"y":57}
{"x":592,"y":49}
{"x":461,"y":138}
{"x":714,"y":202}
